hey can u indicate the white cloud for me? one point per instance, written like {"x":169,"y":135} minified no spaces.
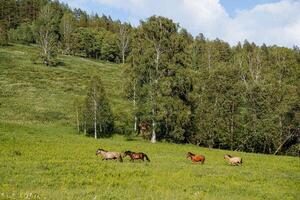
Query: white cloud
{"x":272,"y":23}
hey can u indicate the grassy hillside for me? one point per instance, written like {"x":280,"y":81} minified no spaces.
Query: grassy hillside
{"x":42,"y":157}
{"x":37,"y":93}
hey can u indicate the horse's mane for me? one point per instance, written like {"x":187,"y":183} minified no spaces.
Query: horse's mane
{"x":228,"y":155}
{"x":101,"y":150}
{"x":190,"y":153}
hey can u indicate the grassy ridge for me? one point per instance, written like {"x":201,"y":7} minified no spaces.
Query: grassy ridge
{"x":41,"y":156}
{"x":50,"y":161}
{"x":38,"y":93}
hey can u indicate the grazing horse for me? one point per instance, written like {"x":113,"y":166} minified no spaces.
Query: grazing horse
{"x":108,"y":155}
{"x":196,"y":158}
{"x":136,"y":156}
{"x":233,"y":160}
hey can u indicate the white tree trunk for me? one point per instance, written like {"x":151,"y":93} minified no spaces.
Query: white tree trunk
{"x":156,"y":77}
{"x":134,"y":108}
{"x":232,"y":127}
{"x":84,"y":127}
{"x":95,"y":114}
{"x":123,"y":41}
{"x":153,"y":138}
{"x":77,"y":119}
{"x":123,"y":56}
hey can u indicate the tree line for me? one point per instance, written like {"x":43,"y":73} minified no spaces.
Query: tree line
{"x":185,"y":89}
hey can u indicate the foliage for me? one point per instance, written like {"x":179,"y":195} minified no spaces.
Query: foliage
{"x":98,"y":117}
{"x":46,"y":34}
{"x":22,"y":34}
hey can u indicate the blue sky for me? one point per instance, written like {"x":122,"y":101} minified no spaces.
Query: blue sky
{"x":260,"y":21}
{"x":232,"y":6}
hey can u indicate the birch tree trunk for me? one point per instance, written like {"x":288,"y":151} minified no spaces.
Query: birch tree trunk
{"x":84,"y":131}
{"x":77,"y":119}
{"x":95,"y":114}
{"x":123,"y":41}
{"x":134,"y":108}
{"x":158,"y":53}
{"x":153,"y":138}
{"x":232,"y":127}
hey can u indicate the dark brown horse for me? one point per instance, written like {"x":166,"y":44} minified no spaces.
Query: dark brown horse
{"x":136,"y":156}
{"x":196,"y":158}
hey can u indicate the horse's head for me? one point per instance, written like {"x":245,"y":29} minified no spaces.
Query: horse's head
{"x":189,"y":154}
{"x":99,"y":151}
{"x":126,"y":153}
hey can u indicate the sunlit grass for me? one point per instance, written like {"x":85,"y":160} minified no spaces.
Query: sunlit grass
{"x":53,"y":162}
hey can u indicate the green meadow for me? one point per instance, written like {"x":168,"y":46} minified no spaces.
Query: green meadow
{"x":42,"y":156}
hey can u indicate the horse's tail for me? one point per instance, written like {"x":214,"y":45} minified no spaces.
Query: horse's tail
{"x":241,"y":160}
{"x":120,"y":158}
{"x":147,"y":158}
{"x":203,"y":159}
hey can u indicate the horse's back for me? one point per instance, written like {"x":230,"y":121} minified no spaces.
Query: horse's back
{"x":236,"y":160}
{"x":199,"y":158}
{"x":113,"y":154}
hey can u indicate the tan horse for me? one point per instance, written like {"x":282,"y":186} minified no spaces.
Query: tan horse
{"x":108,"y":155}
{"x":233,"y":160}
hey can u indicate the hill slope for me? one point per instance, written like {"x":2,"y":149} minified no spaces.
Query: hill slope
{"x":37,"y":93}
{"x":41,"y":156}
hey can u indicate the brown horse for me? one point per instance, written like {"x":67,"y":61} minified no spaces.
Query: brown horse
{"x":196,"y":158}
{"x":136,"y":156}
{"x":108,"y":155}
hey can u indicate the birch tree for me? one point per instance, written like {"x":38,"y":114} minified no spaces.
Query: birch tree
{"x":123,"y":40}
{"x":100,"y":117}
{"x":66,"y":29}
{"x":46,"y":29}
{"x":157,"y":32}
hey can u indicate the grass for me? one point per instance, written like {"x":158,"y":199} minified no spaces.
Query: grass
{"x":42,"y":157}
{"x":37,"y":93}
{"x":51,"y":162}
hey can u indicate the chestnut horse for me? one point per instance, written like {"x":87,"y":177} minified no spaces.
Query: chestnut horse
{"x":136,"y":156}
{"x":196,"y":158}
{"x":107,"y":155}
{"x":233,"y":160}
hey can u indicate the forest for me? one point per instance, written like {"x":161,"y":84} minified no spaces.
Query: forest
{"x":183,"y":89}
